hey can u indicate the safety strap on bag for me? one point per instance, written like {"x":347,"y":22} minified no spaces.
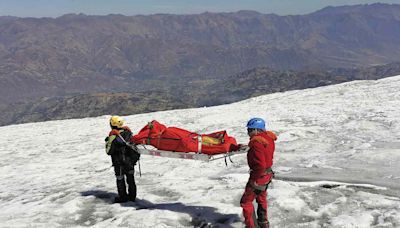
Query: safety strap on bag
{"x":148,"y":137}
{"x":199,"y":144}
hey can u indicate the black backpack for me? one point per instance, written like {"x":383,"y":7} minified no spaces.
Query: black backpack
{"x":131,"y":152}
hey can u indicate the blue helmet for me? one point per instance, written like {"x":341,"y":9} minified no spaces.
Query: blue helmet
{"x":256,"y":123}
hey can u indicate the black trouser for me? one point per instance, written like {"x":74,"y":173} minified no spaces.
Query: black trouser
{"x":120,"y":172}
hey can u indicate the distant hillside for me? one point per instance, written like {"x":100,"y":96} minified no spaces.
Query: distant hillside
{"x":97,"y":104}
{"x":248,"y":84}
{"x":79,"y":54}
{"x":263,"y":80}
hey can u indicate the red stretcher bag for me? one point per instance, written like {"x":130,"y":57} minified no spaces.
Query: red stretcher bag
{"x":181,"y":140}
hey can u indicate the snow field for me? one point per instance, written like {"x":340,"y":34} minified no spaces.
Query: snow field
{"x":336,"y":162}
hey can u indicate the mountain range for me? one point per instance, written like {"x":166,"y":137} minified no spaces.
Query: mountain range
{"x":76,"y":55}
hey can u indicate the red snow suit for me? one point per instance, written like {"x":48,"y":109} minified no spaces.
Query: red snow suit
{"x":260,"y":159}
{"x":180,"y":140}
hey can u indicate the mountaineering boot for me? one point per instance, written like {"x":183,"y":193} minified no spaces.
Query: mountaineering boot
{"x":130,"y":178}
{"x":120,"y":199}
{"x":131,"y":197}
{"x":122,"y":196}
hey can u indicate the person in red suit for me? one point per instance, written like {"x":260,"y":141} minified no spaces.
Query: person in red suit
{"x":260,"y":160}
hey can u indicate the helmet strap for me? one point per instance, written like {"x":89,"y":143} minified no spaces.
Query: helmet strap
{"x":114,"y":127}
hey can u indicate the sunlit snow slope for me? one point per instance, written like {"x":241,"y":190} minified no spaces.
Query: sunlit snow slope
{"x":337,"y":164}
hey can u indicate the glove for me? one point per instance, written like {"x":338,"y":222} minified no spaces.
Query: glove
{"x":106,"y":139}
{"x":236,"y":147}
{"x":241,"y":146}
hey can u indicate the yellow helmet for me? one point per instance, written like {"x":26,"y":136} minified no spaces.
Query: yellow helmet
{"x":116,"y":121}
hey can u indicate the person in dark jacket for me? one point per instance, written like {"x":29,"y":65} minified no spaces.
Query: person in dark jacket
{"x":123,"y":157}
{"x":260,"y":160}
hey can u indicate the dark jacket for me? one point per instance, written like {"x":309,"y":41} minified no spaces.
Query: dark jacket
{"x":121,"y":154}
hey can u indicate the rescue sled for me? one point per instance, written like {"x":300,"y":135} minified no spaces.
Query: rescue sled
{"x":175,"y":142}
{"x":191,"y":155}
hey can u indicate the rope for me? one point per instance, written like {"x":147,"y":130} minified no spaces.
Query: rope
{"x":140,"y":170}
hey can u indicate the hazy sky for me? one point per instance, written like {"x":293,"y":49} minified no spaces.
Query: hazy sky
{"x":54,"y":8}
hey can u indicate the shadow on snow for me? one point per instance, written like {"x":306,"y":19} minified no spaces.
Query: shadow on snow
{"x":202,"y":216}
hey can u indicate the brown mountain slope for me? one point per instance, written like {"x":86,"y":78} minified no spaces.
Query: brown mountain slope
{"x":85,"y":54}
{"x":248,"y":84}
